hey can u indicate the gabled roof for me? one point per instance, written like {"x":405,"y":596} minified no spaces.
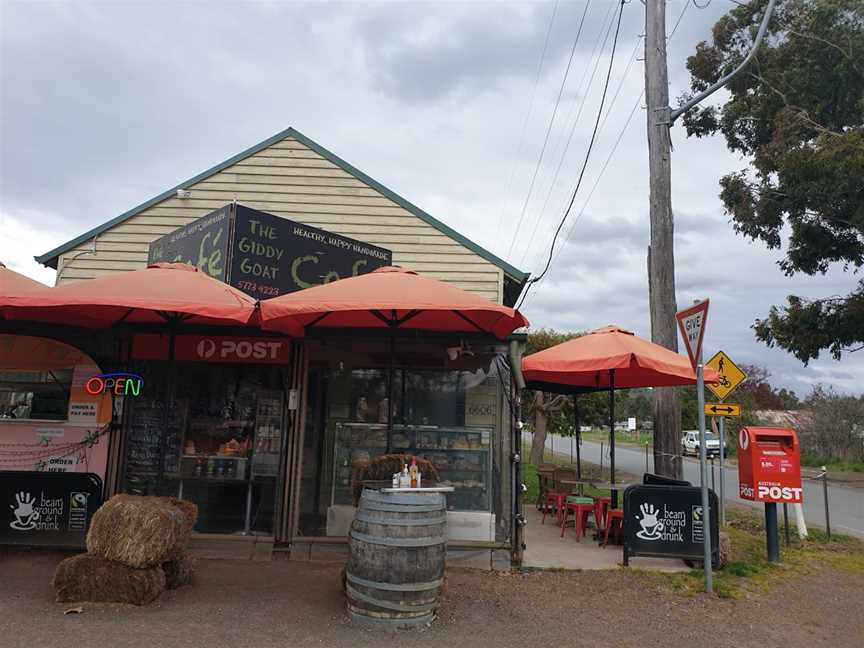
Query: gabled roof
{"x":50,"y":258}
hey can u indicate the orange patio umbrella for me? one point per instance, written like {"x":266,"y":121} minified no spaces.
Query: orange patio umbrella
{"x":16,"y":285}
{"x":393,"y":298}
{"x":161,"y":293}
{"x":606,"y":359}
{"x":390,"y":298}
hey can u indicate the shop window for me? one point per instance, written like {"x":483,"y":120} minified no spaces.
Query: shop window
{"x":40,"y":395}
{"x":450,"y":416}
{"x":211,"y":434}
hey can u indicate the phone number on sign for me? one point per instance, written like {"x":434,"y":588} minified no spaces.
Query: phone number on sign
{"x":251,"y":286}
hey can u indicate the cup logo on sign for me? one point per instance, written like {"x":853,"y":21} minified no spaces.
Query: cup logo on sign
{"x":25,"y":515}
{"x":652,"y":529}
{"x":206,"y":348}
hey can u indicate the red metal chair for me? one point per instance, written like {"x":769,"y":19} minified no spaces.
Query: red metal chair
{"x":556,"y":500}
{"x":582,"y":507}
{"x":614,"y":518}
{"x":602,"y":504}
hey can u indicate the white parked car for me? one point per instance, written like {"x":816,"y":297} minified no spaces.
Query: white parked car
{"x":690,"y":443}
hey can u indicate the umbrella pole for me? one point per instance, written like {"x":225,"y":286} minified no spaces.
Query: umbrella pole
{"x":168,"y":404}
{"x":578,"y":434}
{"x":391,"y":372}
{"x":612,"y":436}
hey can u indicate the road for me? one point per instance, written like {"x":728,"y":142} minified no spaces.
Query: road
{"x":846,"y":505}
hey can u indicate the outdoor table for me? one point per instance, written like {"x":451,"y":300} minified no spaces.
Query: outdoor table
{"x":581,"y":483}
{"x":397,"y":550}
{"x":610,"y":486}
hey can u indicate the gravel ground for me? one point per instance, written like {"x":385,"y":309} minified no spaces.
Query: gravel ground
{"x":239,"y":603}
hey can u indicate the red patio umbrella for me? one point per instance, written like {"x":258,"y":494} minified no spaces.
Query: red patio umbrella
{"x":606,"y":359}
{"x":390,"y":298}
{"x":14,"y":284}
{"x":160,"y":293}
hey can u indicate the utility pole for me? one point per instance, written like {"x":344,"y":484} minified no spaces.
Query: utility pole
{"x":661,"y":258}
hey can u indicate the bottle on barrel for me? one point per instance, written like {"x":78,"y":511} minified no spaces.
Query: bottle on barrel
{"x":404,"y":478}
{"x":413,"y":472}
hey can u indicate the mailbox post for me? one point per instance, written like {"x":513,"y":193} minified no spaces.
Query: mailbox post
{"x":769,"y":471}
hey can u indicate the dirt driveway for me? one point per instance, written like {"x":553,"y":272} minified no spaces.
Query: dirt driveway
{"x":239,"y":603}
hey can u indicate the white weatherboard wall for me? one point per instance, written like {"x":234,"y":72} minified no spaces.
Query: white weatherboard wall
{"x":291,"y":180}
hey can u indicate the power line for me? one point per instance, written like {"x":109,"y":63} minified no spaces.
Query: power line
{"x":530,"y":107}
{"x":612,"y":151}
{"x":573,"y":130}
{"x":574,"y":119}
{"x":600,"y":175}
{"x":587,"y":157}
{"x":678,"y":22}
{"x":548,"y":130}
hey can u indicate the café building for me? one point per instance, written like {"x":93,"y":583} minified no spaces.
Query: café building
{"x":266,"y":432}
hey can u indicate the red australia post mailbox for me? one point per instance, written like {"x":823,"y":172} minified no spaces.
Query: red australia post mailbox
{"x":769,"y":465}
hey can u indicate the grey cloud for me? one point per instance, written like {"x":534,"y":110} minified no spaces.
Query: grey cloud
{"x":105,"y":105}
{"x":472,"y":50}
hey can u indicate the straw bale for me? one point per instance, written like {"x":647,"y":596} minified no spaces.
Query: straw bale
{"x":187,"y":508}
{"x":178,"y":572}
{"x":90,"y":578}
{"x":138,"y":531}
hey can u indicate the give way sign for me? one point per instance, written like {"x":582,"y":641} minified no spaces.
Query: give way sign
{"x":691,"y":323}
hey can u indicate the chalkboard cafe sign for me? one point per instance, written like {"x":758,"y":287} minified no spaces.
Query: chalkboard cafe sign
{"x":667,"y":520}
{"x":47,"y":509}
{"x":265,"y":255}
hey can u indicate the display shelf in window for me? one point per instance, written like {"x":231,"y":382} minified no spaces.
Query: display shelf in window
{"x":268,"y":434}
{"x":461,"y":455}
{"x":355,"y":445}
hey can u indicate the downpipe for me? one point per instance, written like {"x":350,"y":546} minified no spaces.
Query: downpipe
{"x":514,"y":355}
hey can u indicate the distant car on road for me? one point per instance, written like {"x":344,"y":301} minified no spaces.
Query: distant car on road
{"x":690,"y":443}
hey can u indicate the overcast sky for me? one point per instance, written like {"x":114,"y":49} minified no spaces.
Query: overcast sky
{"x":104,"y":105}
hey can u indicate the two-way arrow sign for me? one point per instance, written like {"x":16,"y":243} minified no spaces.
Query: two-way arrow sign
{"x":722,"y":409}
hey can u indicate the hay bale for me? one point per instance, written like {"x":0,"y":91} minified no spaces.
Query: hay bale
{"x":178,"y":572}
{"x":187,"y":508}
{"x":90,"y":578}
{"x":138,"y":531}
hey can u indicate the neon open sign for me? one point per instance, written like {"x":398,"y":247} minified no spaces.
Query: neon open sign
{"x":121,"y":383}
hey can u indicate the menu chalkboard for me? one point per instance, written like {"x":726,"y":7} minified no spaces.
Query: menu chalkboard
{"x":266,"y":255}
{"x":154,"y":435}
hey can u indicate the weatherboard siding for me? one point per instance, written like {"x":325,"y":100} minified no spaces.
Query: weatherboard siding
{"x":290,"y":180}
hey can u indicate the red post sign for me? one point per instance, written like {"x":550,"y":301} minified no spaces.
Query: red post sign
{"x":213,"y":348}
{"x":769,"y":465}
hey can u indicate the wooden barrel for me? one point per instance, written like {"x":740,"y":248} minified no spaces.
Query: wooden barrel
{"x":395,"y":571}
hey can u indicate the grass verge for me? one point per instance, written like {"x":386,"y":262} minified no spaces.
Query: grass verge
{"x":748,"y":569}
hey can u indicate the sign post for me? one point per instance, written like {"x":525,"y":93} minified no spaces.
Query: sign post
{"x":691,"y":323}
{"x":729,"y":377}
